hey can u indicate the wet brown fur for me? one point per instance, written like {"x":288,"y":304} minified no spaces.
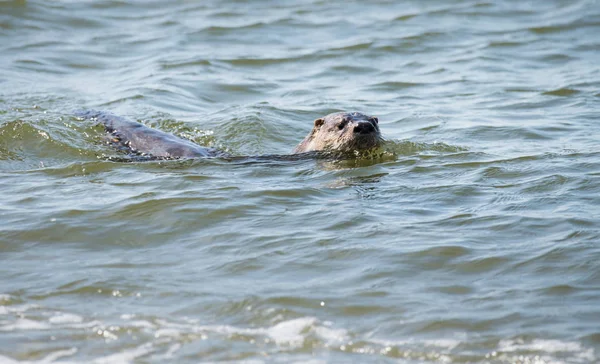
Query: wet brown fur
{"x":342,"y":132}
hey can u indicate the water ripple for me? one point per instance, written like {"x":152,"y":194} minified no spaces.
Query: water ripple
{"x":471,"y":236}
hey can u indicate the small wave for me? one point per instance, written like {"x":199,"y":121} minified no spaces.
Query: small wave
{"x":565,"y":91}
{"x":65,"y":318}
{"x":164,"y":338}
{"x":570,"y":349}
{"x":407,"y":147}
{"x":393,"y":86}
{"x":26,"y":144}
{"x":52,"y":357}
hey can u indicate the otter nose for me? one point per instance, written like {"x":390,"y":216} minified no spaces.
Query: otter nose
{"x":364,"y":127}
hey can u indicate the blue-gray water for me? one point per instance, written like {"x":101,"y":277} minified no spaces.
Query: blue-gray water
{"x":474,"y":239}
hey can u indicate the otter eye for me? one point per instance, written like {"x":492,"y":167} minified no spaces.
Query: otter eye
{"x":342,"y":124}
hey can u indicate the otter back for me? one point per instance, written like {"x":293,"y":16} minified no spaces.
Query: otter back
{"x":142,"y":140}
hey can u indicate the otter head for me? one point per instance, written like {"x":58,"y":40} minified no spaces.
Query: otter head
{"x":342,"y":132}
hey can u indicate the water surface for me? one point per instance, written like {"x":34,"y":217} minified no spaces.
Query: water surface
{"x":473,"y":239}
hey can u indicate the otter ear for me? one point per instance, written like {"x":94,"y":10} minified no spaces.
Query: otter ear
{"x":319,"y":122}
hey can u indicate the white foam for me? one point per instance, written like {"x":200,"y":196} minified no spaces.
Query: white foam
{"x":142,"y":324}
{"x":575,"y":349}
{"x":549,"y":346}
{"x":331,"y":336}
{"x":290,"y":332}
{"x":25,"y":324}
{"x":167,"y":333}
{"x":84,"y":325}
{"x":447,"y":344}
{"x":442,"y":343}
{"x":65,"y":318}
{"x":290,"y":335}
{"x":50,"y":358}
{"x":18,"y":308}
{"x":126,"y":356}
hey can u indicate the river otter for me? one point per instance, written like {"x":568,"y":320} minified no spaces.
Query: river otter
{"x":342,"y":132}
{"x":339,"y":132}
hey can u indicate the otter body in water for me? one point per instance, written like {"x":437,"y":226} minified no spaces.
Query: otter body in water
{"x":339,"y":132}
{"x":140,"y":139}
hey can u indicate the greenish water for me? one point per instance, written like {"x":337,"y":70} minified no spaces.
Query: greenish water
{"x":474,"y":239}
